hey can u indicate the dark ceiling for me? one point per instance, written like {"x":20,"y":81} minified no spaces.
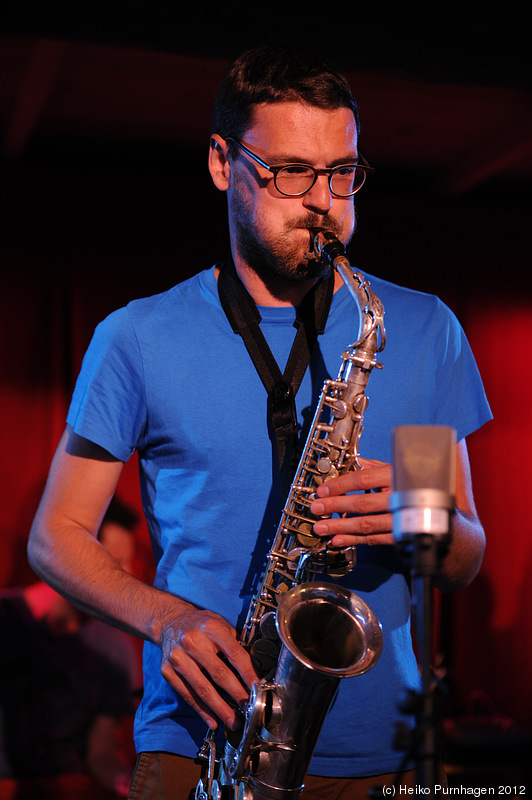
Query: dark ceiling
{"x":105,"y":118}
{"x":445,"y":98}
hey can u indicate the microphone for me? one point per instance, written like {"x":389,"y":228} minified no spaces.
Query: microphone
{"x":422,"y":502}
{"x":424,"y":481}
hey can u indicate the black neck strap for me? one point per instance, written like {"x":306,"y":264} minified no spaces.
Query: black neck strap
{"x":244,"y":318}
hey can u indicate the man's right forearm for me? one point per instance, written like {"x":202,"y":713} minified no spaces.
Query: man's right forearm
{"x":64,"y":550}
{"x":191,"y":639}
{"x":63,"y":547}
{"x":76,"y":565}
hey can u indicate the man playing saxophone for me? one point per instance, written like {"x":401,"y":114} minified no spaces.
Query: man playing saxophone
{"x":284,"y":150}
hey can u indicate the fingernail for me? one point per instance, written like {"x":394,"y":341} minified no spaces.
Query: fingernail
{"x":321,"y":527}
{"x":323,"y":490}
{"x":317,"y":508}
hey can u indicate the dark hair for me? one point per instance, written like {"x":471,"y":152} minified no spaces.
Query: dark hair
{"x":276,"y":73}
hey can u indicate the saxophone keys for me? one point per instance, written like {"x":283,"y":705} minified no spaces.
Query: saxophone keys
{"x":307,"y":539}
{"x":325,"y":465}
{"x":267,"y":626}
{"x":339,"y":409}
{"x":341,"y":562}
{"x":265,"y":654}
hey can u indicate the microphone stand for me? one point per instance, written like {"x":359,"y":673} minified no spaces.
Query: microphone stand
{"x":423,"y":554}
{"x":422,"y":532}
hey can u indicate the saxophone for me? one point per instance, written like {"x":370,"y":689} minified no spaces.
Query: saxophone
{"x":304,"y":635}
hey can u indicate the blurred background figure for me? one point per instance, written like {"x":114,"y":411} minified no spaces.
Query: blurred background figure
{"x":69,"y":686}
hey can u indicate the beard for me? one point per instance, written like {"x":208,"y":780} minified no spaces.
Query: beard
{"x":276,"y":256}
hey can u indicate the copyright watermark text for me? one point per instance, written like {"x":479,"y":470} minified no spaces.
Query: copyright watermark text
{"x":446,"y":791}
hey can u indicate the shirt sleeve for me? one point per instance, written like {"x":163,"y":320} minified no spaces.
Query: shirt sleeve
{"x":461,"y":399}
{"x":108,"y":405}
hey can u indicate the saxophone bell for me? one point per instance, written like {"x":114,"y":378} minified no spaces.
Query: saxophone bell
{"x":327,"y":627}
{"x":327,"y":633}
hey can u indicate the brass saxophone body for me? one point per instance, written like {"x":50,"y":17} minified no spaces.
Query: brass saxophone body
{"x":304,"y":634}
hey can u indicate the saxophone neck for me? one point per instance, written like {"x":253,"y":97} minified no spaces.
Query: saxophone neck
{"x":330,"y":250}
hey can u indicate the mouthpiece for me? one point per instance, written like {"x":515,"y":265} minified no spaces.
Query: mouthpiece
{"x":328,"y":248}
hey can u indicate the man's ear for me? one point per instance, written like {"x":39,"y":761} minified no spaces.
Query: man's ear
{"x":219,"y":165}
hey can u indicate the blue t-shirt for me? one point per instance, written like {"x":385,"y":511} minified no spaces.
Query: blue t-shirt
{"x":167,"y":376}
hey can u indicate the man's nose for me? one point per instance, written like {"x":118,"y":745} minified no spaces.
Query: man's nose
{"x":319,"y":197}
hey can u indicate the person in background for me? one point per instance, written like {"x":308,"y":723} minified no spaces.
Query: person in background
{"x":68,"y":690}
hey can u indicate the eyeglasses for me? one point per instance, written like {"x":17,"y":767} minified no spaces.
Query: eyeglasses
{"x":294,"y":180}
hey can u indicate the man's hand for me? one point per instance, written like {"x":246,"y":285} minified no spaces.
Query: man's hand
{"x":372,"y":523}
{"x":197,"y":647}
{"x":365,"y":518}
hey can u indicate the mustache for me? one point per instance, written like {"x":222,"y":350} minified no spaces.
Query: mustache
{"x":314,"y":222}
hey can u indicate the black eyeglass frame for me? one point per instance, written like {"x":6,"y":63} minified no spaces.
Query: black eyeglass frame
{"x":329,"y":171}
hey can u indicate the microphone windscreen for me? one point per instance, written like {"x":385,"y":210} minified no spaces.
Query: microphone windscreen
{"x":424,"y":458}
